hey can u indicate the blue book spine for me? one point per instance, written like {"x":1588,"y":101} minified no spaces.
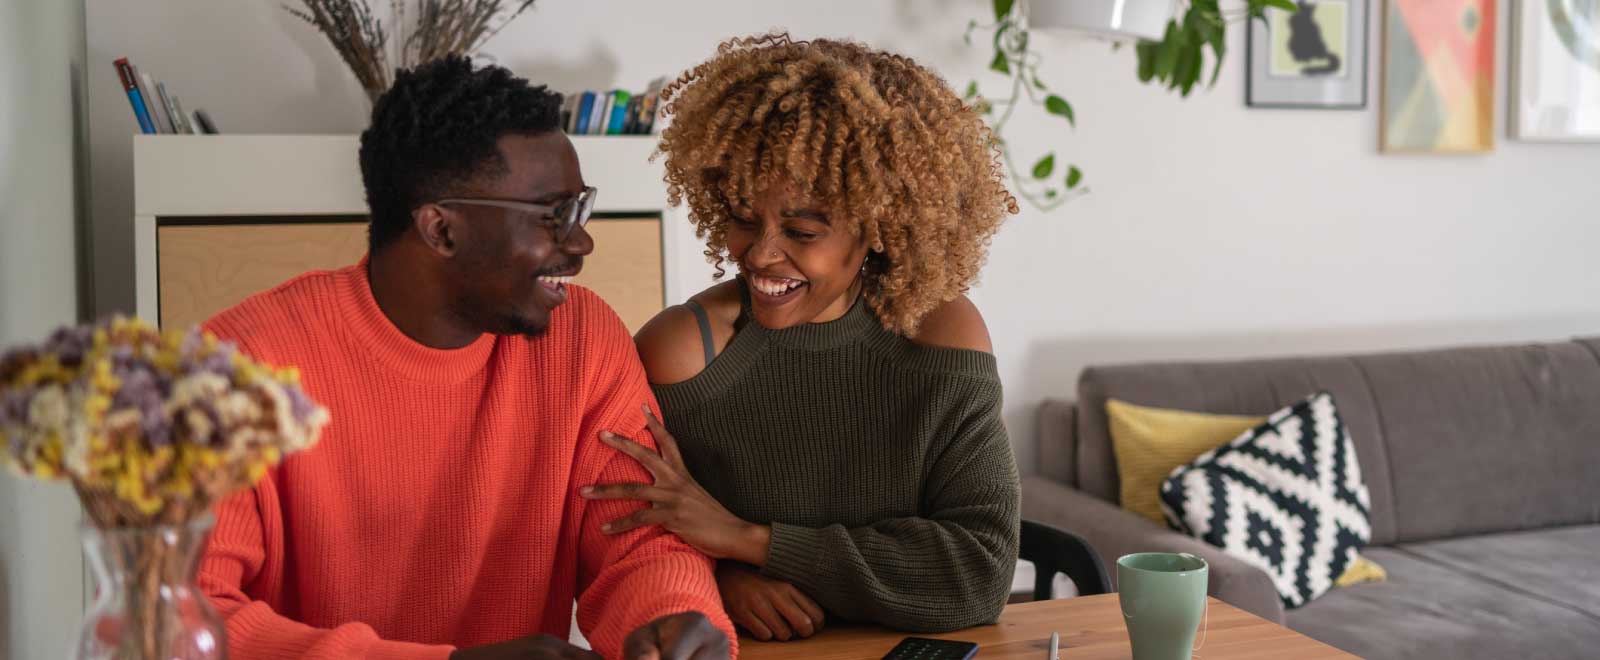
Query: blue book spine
{"x":619,"y":112}
{"x":585,"y":106}
{"x":130,"y":84}
{"x":139,"y":111}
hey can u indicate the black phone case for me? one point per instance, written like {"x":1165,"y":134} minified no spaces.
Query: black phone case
{"x":922,"y":648}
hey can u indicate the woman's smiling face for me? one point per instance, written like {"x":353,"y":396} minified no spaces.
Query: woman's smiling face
{"x":801,"y":265}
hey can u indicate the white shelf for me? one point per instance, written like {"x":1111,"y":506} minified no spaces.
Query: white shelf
{"x":267,"y":175}
{"x":294,"y":175}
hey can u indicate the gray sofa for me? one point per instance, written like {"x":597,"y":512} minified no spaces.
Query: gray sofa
{"x":1484,"y":470}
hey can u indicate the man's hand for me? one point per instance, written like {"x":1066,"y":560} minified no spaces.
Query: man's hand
{"x":537,"y":647}
{"x":681,"y":636}
{"x":766,"y":607}
{"x":678,"y":503}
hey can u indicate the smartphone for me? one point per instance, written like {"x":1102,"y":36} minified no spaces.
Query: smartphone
{"x":922,"y":648}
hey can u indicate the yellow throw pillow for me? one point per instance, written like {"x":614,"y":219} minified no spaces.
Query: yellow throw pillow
{"x":1150,"y":442}
{"x":1363,"y":570}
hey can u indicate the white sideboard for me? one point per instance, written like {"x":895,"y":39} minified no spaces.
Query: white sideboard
{"x":220,"y":216}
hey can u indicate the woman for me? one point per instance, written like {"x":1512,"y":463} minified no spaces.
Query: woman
{"x":834,"y":433}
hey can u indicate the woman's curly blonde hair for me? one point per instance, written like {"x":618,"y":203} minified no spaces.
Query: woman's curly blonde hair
{"x":873,"y":137}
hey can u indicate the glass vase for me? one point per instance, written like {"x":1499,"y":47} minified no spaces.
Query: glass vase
{"x":146,"y":604}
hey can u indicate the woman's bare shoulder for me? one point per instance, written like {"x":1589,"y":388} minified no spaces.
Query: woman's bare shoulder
{"x":670,"y":345}
{"x":955,"y":324}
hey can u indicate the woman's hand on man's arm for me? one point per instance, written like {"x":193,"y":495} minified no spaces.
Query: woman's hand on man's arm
{"x":678,"y":503}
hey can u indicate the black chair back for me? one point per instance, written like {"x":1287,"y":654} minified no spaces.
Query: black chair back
{"x":1055,"y":551}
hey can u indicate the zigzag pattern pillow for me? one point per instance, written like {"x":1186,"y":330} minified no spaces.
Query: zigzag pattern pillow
{"x":1287,"y":497}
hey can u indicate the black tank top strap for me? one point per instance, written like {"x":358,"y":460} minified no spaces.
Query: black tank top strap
{"x":704,"y":322}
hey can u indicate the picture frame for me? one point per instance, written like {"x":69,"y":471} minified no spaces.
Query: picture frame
{"x":1555,"y":71}
{"x":1438,"y":76}
{"x":1315,"y":58}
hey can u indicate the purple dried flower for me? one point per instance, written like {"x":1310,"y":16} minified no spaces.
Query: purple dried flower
{"x":300,"y":405}
{"x":219,"y":362}
{"x":70,"y":344}
{"x":14,"y":406}
{"x":141,"y":390}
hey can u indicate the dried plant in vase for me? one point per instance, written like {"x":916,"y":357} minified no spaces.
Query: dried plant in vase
{"x":437,"y":28}
{"x":150,"y":429}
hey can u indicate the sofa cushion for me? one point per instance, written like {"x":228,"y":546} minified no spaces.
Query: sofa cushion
{"x":1560,"y":564}
{"x":1287,"y":496}
{"x":1151,"y":442}
{"x":1522,"y":419}
{"x":1057,"y":450}
{"x":1427,"y":611}
{"x":1431,"y":428}
{"x":1255,"y":387}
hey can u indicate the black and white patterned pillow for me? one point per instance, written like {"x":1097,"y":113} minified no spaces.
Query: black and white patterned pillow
{"x":1286,"y":497}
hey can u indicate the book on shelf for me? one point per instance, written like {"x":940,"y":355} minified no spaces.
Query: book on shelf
{"x":611,"y":112}
{"x":156,"y":109}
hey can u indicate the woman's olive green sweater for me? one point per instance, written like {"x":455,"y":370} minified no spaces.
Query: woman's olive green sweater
{"x":882,"y":466}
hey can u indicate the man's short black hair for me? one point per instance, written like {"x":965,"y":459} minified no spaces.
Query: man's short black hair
{"x":436,"y":129}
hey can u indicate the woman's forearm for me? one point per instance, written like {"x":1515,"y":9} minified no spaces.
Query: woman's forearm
{"x":755,"y":543}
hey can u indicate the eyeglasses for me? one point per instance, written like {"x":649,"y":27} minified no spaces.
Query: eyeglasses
{"x":572,"y":212}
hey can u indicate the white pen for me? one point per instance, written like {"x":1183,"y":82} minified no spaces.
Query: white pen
{"x":1055,"y":647}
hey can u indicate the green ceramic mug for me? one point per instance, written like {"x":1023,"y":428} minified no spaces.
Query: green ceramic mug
{"x":1163,"y":595}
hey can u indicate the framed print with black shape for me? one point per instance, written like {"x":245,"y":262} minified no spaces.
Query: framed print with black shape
{"x":1313,"y":57}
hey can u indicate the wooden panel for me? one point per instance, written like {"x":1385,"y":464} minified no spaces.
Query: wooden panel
{"x":205,"y":269}
{"x":625,"y":268}
{"x":1090,"y":627}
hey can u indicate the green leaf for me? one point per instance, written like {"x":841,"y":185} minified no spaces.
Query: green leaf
{"x":1050,"y":193}
{"x":1074,"y":175}
{"x":972,"y":90}
{"x":1056,"y":105}
{"x":1146,"y":50}
{"x":1000,"y":64}
{"x":1187,"y":69}
{"x":1037,"y":83}
{"x":1002,"y":8}
{"x":1219,"y":49}
{"x":1043,"y":168}
{"x":1196,"y":65}
{"x":1286,"y":5}
{"x":1168,"y":50}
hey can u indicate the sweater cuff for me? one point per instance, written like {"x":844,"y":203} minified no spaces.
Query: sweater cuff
{"x":385,"y":649}
{"x":792,"y":556}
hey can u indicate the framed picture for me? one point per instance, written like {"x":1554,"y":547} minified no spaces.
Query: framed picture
{"x":1556,"y":70}
{"x":1314,"y":57}
{"x":1438,"y":76}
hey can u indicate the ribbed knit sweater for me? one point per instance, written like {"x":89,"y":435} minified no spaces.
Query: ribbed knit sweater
{"x":440,"y":508}
{"x":882,"y":466}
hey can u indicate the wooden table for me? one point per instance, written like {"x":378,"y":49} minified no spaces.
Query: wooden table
{"x":1090,"y":627}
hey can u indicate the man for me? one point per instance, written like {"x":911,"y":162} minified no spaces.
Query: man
{"x":439,"y":517}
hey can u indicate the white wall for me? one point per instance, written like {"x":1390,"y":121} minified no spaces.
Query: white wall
{"x":41,"y":57}
{"x":1213,"y":230}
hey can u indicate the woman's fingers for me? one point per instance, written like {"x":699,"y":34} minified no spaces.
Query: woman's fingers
{"x":810,"y":607}
{"x":664,"y":440}
{"x":763,"y":607}
{"x":635,"y":520}
{"x":651,"y":460}
{"x":626,"y":491}
{"x":800,"y":622}
{"x":749,"y":621}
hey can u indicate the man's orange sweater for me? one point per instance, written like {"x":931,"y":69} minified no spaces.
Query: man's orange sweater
{"x":440,"y":508}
